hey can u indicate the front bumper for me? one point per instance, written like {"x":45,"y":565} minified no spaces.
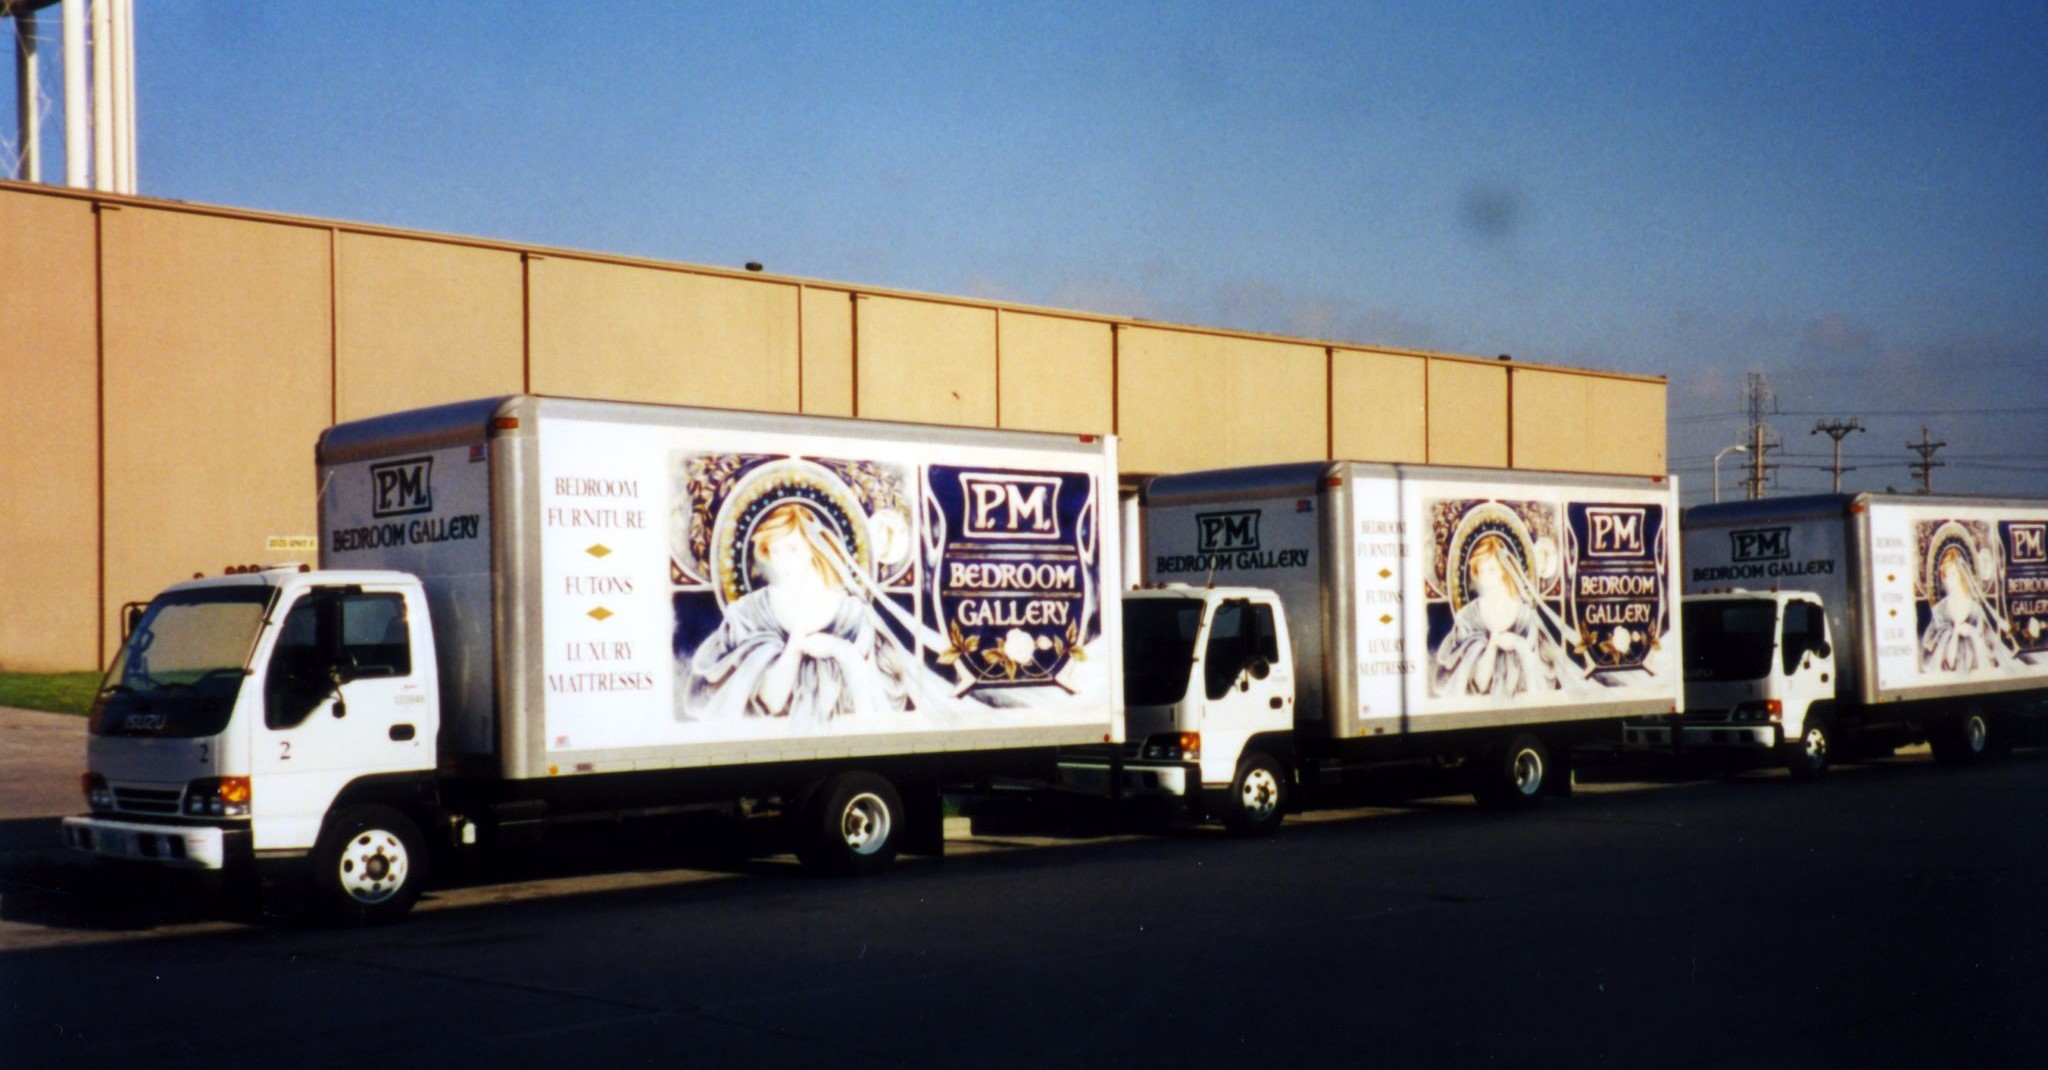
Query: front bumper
{"x":181,"y":846}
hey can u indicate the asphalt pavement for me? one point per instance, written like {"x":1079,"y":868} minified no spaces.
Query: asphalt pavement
{"x":1664,"y":916}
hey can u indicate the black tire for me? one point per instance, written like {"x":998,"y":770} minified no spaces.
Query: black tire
{"x":1809,"y":754}
{"x":1257,"y":800}
{"x":369,"y":865}
{"x":1965,"y":739}
{"x":853,"y":824}
{"x":1514,"y":776}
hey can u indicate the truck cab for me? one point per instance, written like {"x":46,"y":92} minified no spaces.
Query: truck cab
{"x":1208,"y":706}
{"x":1760,"y":675}
{"x":272,"y":714}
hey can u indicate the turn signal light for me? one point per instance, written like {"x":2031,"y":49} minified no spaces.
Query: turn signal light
{"x":218,"y":797}
{"x":1175,"y":747}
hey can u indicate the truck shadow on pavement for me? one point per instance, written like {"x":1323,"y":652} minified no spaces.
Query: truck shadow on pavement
{"x":44,"y":885}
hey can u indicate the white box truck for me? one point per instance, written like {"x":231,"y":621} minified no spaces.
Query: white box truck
{"x":1302,"y":620}
{"x":1885,"y":619}
{"x":534,"y":608}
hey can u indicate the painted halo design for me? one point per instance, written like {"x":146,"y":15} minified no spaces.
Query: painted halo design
{"x":1949,"y":534}
{"x":779,"y":482}
{"x":1479,"y":523}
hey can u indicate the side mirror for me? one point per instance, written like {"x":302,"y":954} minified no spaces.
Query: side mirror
{"x":334,"y":682}
{"x":1821,"y":649}
{"x":1255,"y":668}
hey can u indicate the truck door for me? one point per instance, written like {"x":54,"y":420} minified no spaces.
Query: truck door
{"x":345,"y":695}
{"x":1248,"y":683}
{"x":1807,"y":660}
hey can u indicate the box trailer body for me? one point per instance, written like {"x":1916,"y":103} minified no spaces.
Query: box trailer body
{"x":1429,"y":611}
{"x":531,"y":608}
{"x":1928,"y":615}
{"x":601,"y":577}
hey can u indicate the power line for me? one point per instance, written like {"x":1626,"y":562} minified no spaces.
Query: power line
{"x":2017,"y":411}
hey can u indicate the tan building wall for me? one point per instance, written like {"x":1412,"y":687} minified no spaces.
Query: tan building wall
{"x":1379,"y":406}
{"x":924,"y":361}
{"x":1188,"y":401}
{"x":616,"y":331}
{"x":1571,"y":422}
{"x":169,"y":367}
{"x":1055,"y":374}
{"x":827,"y":335}
{"x":49,"y":436}
{"x":419,"y":323}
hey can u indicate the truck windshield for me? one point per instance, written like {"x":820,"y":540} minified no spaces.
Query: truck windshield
{"x":1729,"y":640}
{"x":180,"y":670}
{"x":1159,"y":648}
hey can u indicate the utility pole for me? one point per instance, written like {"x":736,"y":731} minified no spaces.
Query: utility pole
{"x":1835,"y":429}
{"x":1762,"y":440}
{"x":1923,"y":469}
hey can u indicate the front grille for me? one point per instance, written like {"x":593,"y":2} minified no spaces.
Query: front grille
{"x":146,"y":800}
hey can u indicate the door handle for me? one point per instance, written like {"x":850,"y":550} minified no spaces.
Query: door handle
{"x":1275,"y":702}
{"x":402,"y":733}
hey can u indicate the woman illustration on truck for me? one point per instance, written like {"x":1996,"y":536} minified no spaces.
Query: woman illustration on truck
{"x":1963,"y":634}
{"x":803,"y":646}
{"x":1498,"y":644}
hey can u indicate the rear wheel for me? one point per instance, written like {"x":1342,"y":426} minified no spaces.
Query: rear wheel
{"x":369,"y":865}
{"x":1258,"y":796}
{"x":1513,"y":777}
{"x":1965,"y":739}
{"x":1807,"y":755}
{"x":854,"y":824}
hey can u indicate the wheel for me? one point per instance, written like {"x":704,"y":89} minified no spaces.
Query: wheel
{"x":853,"y":824}
{"x":369,"y":865}
{"x":1807,"y":755}
{"x":1257,"y":801}
{"x":1512,"y":777}
{"x":1964,"y":740}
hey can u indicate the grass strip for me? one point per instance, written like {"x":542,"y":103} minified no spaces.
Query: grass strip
{"x":56,"y":692}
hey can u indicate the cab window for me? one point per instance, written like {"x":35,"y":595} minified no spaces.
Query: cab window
{"x":1806,"y":629}
{"x":1240,"y":635}
{"x":328,"y":639}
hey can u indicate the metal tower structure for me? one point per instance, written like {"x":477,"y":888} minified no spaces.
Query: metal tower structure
{"x":99,"y":91}
{"x":1761,"y":403}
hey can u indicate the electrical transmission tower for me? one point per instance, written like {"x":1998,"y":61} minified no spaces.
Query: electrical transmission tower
{"x":1761,"y":403}
{"x":1923,"y":469}
{"x":1835,"y":429}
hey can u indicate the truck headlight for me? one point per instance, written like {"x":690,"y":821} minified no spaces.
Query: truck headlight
{"x":1174,"y":747}
{"x":1771,"y":710}
{"x":98,"y":796}
{"x":226,"y":796}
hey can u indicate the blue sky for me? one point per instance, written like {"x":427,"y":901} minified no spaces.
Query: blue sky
{"x":1851,"y":199}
